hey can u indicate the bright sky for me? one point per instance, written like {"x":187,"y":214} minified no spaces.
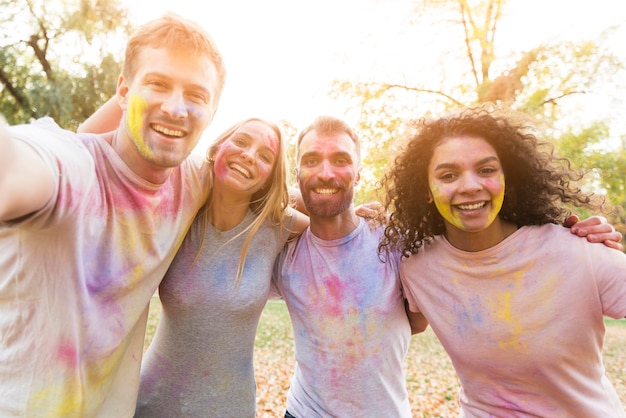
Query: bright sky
{"x":281,"y":55}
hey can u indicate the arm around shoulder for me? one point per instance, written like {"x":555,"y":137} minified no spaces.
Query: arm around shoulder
{"x":300,"y":223}
{"x":595,"y":229}
{"x":106,"y":119}
{"x":26,"y":182}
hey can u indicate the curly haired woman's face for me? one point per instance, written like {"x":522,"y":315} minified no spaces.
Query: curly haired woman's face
{"x":466,"y":183}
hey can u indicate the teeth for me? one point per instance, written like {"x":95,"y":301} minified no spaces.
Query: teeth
{"x":471,"y":206}
{"x":325,"y":191}
{"x":168,"y":132}
{"x":241,"y":170}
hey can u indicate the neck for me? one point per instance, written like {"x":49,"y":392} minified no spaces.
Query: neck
{"x":225,"y":210}
{"x":497,"y":232}
{"x":335,"y":227}
{"x":134,"y":160}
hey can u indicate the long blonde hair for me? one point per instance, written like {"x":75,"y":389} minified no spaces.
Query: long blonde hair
{"x":268,"y":204}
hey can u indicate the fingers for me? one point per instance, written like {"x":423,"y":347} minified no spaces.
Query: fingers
{"x":600,"y":231}
{"x":592,"y":225}
{"x":570,"y":221}
{"x":615,"y":245}
{"x":365,"y":212}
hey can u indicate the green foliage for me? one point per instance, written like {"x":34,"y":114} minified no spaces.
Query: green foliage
{"x":59,"y":59}
{"x":545,"y":82}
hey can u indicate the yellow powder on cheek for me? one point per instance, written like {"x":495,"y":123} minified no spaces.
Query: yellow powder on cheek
{"x":443,"y":205}
{"x":498,"y":199}
{"x":136,"y":107}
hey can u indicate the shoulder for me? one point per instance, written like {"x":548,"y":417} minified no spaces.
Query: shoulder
{"x":195,"y":162}
{"x":46,"y":134}
{"x":59,"y":148}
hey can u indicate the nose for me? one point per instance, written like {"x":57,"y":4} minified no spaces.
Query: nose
{"x":175,"y":105}
{"x":327,"y":171}
{"x":247,"y":154}
{"x":470,"y":183}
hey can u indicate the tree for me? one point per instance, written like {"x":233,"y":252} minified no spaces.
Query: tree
{"x":59,"y":59}
{"x":543,"y":81}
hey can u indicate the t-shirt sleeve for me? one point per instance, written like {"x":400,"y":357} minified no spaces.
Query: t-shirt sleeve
{"x":275,"y":286}
{"x":69,"y":161}
{"x":610,"y":272}
{"x":288,"y":221}
{"x":407,"y":275}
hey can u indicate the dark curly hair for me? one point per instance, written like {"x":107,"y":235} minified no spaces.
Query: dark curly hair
{"x":538,"y":184}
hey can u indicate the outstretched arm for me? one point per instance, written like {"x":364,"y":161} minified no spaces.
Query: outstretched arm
{"x":595,"y":229}
{"x":105,"y":119}
{"x":26,"y":182}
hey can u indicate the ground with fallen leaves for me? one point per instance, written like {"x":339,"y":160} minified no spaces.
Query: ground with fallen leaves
{"x":431,"y":381}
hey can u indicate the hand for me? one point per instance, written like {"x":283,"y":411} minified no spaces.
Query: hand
{"x":595,"y":229}
{"x":374,"y":212}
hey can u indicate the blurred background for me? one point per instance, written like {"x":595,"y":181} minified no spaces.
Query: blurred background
{"x":376,"y":63}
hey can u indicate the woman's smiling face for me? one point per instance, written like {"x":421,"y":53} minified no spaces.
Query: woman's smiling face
{"x":466,"y":182}
{"x":245,"y":160}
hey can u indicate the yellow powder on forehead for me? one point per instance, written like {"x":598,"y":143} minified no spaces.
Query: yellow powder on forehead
{"x":136,"y":107}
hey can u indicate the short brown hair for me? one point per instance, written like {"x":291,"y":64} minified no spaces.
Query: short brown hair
{"x":173,"y":32}
{"x":326,"y":125}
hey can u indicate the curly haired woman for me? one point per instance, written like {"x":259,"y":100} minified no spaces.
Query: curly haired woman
{"x":516,"y":300}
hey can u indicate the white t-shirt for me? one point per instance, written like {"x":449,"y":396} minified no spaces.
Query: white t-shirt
{"x":350,"y":327}
{"x":523,"y":321}
{"x":77,"y":276}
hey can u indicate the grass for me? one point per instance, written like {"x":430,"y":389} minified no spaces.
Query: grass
{"x":431,"y":380}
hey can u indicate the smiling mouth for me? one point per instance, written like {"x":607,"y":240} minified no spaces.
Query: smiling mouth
{"x":174,"y":133}
{"x":326,"y":191}
{"x":472,"y":206}
{"x":240,"y":169}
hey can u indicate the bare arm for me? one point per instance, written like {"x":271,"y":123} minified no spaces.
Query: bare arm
{"x":417,"y":320}
{"x":106,"y":119}
{"x":296,"y":200}
{"x":26,"y":182}
{"x":301,"y":222}
{"x":596,"y":229}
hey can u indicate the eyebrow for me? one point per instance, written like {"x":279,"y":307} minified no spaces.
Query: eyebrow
{"x":249,"y":137}
{"x":480,"y":162}
{"x":335,"y":154}
{"x":167,"y":77}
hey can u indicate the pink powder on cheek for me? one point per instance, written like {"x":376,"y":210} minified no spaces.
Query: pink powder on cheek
{"x":273,"y":143}
{"x":220,"y":168}
{"x":495,"y":184}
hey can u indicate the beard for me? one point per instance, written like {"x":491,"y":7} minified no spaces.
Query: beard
{"x":327,"y":208}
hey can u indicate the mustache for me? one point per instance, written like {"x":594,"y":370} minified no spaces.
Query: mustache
{"x":170,"y":123}
{"x":326,"y":184}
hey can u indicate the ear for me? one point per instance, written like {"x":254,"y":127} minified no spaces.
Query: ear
{"x":122,"y":92}
{"x":429,"y":197}
{"x":358,"y":176}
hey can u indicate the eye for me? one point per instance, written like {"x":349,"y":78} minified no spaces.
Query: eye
{"x":266,"y":158}
{"x":309,"y":162}
{"x":198,"y":97}
{"x":487,"y":171}
{"x":447,"y":176}
{"x":157,"y":84}
{"x":239,"y":141}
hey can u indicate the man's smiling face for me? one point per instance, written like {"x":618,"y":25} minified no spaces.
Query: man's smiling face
{"x":328,"y":169}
